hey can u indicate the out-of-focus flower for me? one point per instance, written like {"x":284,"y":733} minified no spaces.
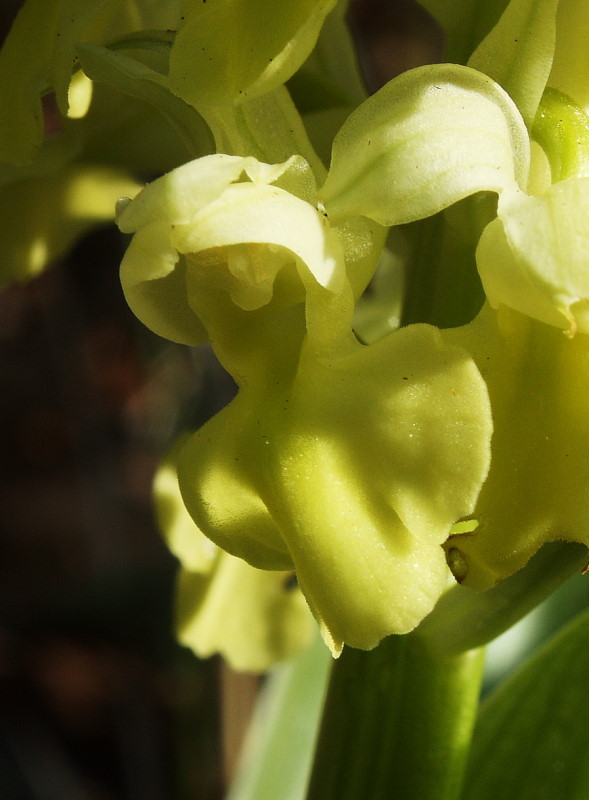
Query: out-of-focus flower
{"x":253,"y":617}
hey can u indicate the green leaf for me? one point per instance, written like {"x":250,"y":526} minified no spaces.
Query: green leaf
{"x":518,"y":52}
{"x":279,"y":745}
{"x":227,"y":51}
{"x":530,"y":742}
{"x":427,"y":139}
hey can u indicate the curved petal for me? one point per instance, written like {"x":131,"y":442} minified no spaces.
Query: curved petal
{"x":378,"y":453}
{"x":217,"y":469}
{"x":518,"y":52}
{"x":177,"y":196}
{"x":536,"y":490}
{"x":362,"y":465}
{"x":429,"y":138}
{"x":247,"y":213}
{"x":190,"y":546}
{"x":534,"y":257}
{"x":153,"y":277}
{"x":197,"y":224}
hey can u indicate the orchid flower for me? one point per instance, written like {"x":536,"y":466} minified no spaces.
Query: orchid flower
{"x":347,"y":464}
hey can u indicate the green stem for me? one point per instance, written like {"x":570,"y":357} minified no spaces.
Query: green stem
{"x":397,"y":723}
{"x":443,"y":287}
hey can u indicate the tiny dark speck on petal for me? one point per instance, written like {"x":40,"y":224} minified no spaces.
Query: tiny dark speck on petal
{"x":290,"y":582}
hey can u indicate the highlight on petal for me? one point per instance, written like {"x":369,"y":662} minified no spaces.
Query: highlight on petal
{"x":429,"y":138}
{"x":380,"y":450}
{"x":253,"y":617}
{"x":534,"y":257}
{"x":260,"y":214}
{"x":536,"y":490}
{"x":362,"y":464}
{"x":153,"y":277}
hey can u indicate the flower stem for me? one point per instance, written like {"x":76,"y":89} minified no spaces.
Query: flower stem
{"x":397,"y":723}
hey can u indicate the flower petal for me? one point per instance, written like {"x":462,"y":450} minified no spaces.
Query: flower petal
{"x":252,"y":617}
{"x":362,"y":466}
{"x":429,"y":138}
{"x":534,"y":257}
{"x":536,"y":490}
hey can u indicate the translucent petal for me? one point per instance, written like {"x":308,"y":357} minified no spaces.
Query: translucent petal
{"x":177,"y":196}
{"x":217,"y":469}
{"x":206,"y":226}
{"x":427,"y":139}
{"x":534,"y":257}
{"x":153,"y":276}
{"x":197,"y":553}
{"x":252,"y":617}
{"x":249,"y":213}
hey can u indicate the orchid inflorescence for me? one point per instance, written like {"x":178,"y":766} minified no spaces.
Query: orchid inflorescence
{"x":376,"y":463}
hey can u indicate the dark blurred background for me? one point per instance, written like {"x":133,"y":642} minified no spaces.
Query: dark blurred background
{"x":97,"y":701}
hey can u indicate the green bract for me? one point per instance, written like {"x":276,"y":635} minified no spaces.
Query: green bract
{"x":229,"y":51}
{"x":346,"y":463}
